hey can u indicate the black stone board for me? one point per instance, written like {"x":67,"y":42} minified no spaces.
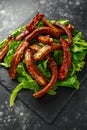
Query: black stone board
{"x":48,"y":107}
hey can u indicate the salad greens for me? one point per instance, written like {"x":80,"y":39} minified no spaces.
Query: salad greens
{"x":78,"y":51}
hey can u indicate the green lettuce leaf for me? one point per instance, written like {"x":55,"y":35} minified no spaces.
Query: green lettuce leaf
{"x":62,"y":21}
{"x":16,"y":32}
{"x":3,"y":42}
{"x":43,"y":67}
{"x":79,"y":51}
{"x":71,"y":82}
{"x":23,"y":85}
{"x":23,"y":76}
{"x":12,"y":48}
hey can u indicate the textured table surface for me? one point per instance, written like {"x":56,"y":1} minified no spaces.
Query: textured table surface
{"x":20,"y":117}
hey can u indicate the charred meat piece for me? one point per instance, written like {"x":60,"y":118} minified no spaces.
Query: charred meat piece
{"x":5,"y":48}
{"x":53,"y":67}
{"x":66,"y":60}
{"x":41,"y":53}
{"x":35,"y":47}
{"x":67,"y":31}
{"x":46,"y":39}
{"x":22,"y":35}
{"x":32,"y":69}
{"x":42,"y":30}
{"x":30,"y":26}
{"x":70,"y":27}
{"x":51,"y":25}
{"x":62,"y":30}
{"x":17,"y":59}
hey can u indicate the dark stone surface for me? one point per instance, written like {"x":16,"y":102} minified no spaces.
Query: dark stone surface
{"x":20,"y":117}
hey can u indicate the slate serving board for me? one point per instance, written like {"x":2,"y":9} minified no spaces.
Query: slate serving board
{"x":48,"y":107}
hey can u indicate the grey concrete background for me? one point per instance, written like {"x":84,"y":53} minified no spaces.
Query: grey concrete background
{"x":74,"y":116}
